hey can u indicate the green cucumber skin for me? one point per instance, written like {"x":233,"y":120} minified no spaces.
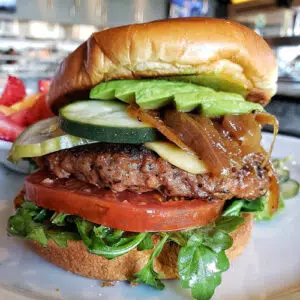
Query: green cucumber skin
{"x":107,"y":134}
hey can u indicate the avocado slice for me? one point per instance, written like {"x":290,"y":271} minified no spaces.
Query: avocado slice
{"x":211,"y":80}
{"x":186,"y":96}
{"x":159,"y":93}
{"x":148,"y":94}
{"x":214,"y":104}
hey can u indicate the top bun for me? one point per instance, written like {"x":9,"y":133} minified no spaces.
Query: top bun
{"x":189,"y":46}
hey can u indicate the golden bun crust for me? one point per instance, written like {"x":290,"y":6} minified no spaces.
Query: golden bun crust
{"x":77,"y":260}
{"x":187,"y":46}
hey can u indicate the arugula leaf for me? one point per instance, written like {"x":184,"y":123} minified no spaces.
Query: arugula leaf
{"x":59,"y":219}
{"x":147,"y":274}
{"x":30,"y":206}
{"x":200,"y":268}
{"x":218,"y":241}
{"x":264,"y":215}
{"x":236,"y":207}
{"x":146,"y":243}
{"x":109,"y":235}
{"x":22,"y":224}
{"x":37,"y":233}
{"x":178,"y":237}
{"x":84,"y":228}
{"x":27,"y":224}
{"x":256,"y":205}
{"x":41,"y":216}
{"x":61,"y":237}
{"x":229,"y":223}
{"x":123,"y":246}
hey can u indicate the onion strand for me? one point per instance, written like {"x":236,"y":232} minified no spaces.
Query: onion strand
{"x":263,"y":119}
{"x":274,"y":195}
{"x":152,"y":117}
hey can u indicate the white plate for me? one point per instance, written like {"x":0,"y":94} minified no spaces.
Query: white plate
{"x":269,"y":268}
{"x":22,"y":167}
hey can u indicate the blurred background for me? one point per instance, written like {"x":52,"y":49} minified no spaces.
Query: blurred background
{"x":36,"y":34}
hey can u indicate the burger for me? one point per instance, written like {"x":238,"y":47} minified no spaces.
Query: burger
{"x":153,"y":167}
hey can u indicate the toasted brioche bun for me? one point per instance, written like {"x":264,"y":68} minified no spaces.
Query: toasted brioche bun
{"x":189,"y":46}
{"x":76,"y":259}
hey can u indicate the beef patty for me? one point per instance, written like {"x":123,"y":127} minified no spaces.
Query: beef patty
{"x":135,"y":168}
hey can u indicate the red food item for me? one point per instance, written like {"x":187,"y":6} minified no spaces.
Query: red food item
{"x":9,"y":131}
{"x":124,"y":210}
{"x":21,"y":117}
{"x":44,"y":85}
{"x":39,"y":111}
{"x":14,"y":91}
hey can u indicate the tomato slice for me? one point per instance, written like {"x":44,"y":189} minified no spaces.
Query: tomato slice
{"x":125,"y":210}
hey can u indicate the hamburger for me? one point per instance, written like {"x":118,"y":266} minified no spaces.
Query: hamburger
{"x":153,"y":167}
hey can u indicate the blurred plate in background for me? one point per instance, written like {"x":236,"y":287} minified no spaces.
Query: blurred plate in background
{"x":22,"y":167}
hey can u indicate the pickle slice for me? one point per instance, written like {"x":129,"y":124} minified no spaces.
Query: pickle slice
{"x":42,"y":138}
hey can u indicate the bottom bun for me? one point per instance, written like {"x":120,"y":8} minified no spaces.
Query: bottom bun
{"x":76,"y":259}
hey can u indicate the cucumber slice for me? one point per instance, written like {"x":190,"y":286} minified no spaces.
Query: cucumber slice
{"x":104,"y":121}
{"x":289,"y":189}
{"x":42,"y":138}
{"x":284,"y":175}
{"x":281,"y":169}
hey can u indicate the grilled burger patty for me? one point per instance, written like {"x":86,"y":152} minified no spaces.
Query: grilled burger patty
{"x":135,"y":168}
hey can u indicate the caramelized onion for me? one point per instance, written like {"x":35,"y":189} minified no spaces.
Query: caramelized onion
{"x":152,"y":117}
{"x":263,"y":119}
{"x":232,"y":146}
{"x":245,"y":129}
{"x":273,"y":195}
{"x":200,"y":135}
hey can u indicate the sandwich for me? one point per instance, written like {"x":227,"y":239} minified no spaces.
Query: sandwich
{"x":152,"y":167}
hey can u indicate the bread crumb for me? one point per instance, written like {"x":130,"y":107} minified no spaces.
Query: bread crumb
{"x":108,"y":283}
{"x":134,"y":283}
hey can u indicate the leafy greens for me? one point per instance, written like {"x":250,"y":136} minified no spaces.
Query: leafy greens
{"x":201,"y":259}
{"x":289,"y":188}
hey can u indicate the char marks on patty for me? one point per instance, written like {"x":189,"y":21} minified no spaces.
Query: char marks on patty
{"x":122,"y":167}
